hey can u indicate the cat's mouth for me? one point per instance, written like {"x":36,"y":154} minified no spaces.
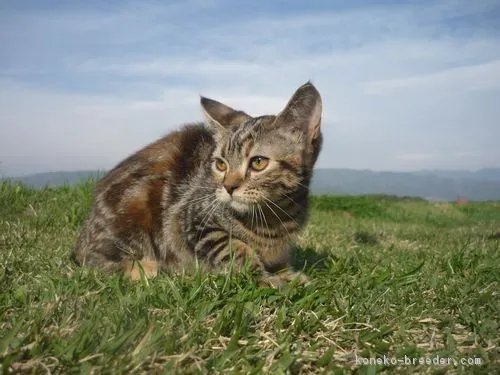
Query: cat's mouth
{"x":238,"y":202}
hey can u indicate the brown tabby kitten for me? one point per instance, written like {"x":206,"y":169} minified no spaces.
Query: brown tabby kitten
{"x":227,"y":191}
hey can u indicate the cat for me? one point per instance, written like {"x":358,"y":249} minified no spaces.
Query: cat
{"x":229,"y":191}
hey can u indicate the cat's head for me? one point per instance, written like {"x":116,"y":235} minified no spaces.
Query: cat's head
{"x":264,"y":158}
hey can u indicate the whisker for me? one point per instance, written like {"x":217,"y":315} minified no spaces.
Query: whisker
{"x":207,"y":212}
{"x":286,"y":213}
{"x":210,"y":215}
{"x":258,"y":218}
{"x":302,"y":185}
{"x":190,"y":184}
{"x":253,"y":213}
{"x":291,"y":200}
{"x":200,"y":199}
{"x":203,"y":187}
{"x":282,"y":224}
{"x":264,"y":220}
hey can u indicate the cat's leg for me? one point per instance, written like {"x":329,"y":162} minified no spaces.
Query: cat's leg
{"x":95,"y":247}
{"x":113,"y":248}
{"x":278,"y":270}
{"x":103,"y":255}
{"x":111,"y":258}
{"x":219,"y":250}
{"x":283,"y":277}
{"x":137,"y":269}
{"x":111,"y":255}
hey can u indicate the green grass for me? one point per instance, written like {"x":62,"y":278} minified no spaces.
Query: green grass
{"x":389,"y":277}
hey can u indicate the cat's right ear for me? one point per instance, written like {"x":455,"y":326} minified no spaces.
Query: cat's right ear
{"x":303,"y":111}
{"x":219,"y":117}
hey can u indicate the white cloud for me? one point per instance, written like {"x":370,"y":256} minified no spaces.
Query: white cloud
{"x":94,"y":86}
{"x":465,"y":154}
{"x":467,"y":78}
{"x":415,"y":157}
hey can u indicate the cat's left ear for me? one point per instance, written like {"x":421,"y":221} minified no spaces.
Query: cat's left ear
{"x":303,"y":111}
{"x":219,"y":116}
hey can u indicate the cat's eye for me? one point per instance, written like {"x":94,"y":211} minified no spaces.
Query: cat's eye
{"x":259,"y":163}
{"x":220,"y":165}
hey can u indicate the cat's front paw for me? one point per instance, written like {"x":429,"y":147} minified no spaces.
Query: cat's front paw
{"x":280,"y":279}
{"x":136,"y":270}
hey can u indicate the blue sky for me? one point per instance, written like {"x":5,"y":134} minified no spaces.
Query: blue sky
{"x":405,"y":85}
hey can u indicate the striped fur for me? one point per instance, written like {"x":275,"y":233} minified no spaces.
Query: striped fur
{"x":169,"y":207}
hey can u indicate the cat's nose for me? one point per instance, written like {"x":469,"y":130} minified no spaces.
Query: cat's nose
{"x":230,"y":188}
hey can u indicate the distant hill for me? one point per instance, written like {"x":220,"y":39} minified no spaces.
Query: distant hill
{"x":439,"y":185}
{"x":485,"y":174}
{"x":432,"y":185}
{"x":40,"y":180}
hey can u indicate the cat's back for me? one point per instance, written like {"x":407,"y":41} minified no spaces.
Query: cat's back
{"x":138,"y":182}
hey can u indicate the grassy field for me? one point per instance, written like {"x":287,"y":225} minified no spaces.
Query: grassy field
{"x":392,"y":279}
